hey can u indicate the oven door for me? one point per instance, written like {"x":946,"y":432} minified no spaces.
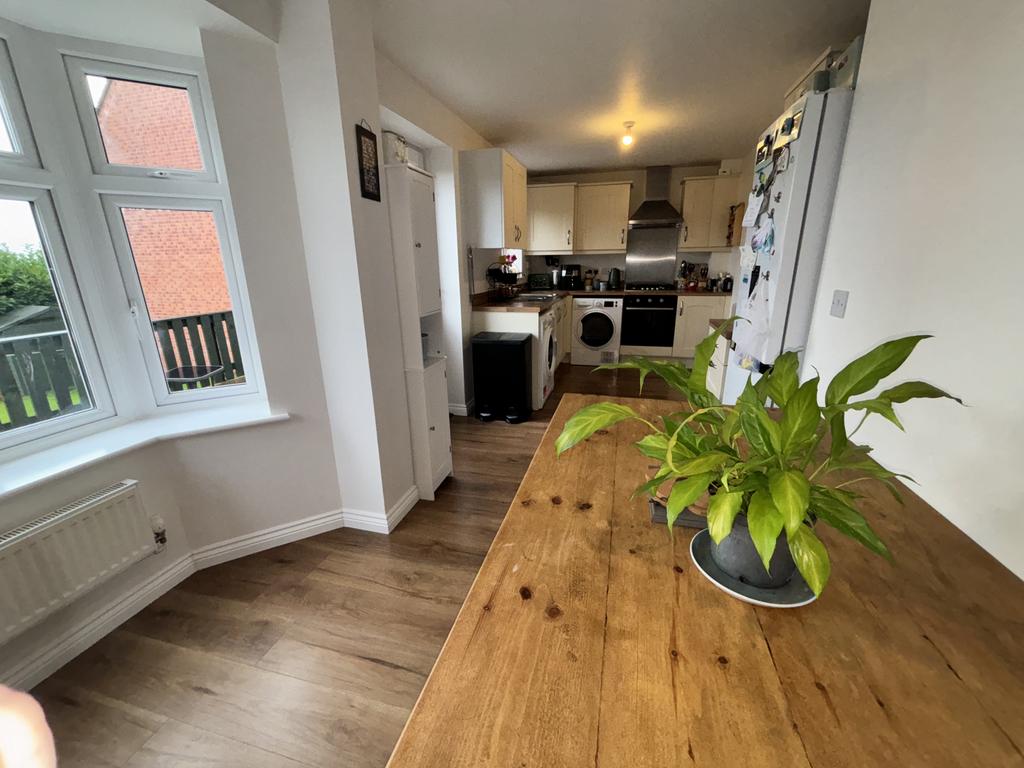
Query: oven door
{"x":649,"y":321}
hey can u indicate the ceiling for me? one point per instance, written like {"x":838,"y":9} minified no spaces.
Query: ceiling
{"x":554,"y":80}
{"x":158,"y":24}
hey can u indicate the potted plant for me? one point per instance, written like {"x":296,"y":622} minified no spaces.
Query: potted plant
{"x":767,"y":473}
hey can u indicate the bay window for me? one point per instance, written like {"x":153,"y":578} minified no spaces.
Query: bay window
{"x":121,"y":184}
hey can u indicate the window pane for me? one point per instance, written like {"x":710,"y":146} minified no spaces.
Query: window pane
{"x":147,"y":125}
{"x":40,"y":376}
{"x":178,"y":259}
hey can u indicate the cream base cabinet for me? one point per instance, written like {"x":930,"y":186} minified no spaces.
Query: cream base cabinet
{"x":602,"y":215}
{"x":493,"y":199}
{"x":563,"y":330}
{"x":705,"y":206}
{"x":550,"y":217}
{"x":427,"y":389}
{"x":693,"y":318}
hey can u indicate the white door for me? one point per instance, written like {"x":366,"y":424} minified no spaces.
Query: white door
{"x":602,"y":212}
{"x":550,"y":212}
{"x":697,"y":201}
{"x":424,"y":240}
{"x":438,"y":429}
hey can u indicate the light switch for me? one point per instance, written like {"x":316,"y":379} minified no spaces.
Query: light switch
{"x":839,"y":299}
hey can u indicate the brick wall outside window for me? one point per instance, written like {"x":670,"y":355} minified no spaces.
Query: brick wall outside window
{"x":177,"y":253}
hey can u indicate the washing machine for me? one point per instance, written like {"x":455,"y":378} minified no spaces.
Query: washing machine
{"x":547,"y":360}
{"x":596,"y":327}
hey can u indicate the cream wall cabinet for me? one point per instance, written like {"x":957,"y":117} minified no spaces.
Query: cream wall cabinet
{"x":602,"y":213}
{"x":551,"y":217}
{"x":493,"y":196}
{"x":706,"y":201}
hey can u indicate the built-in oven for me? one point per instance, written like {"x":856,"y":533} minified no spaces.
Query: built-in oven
{"x":650,"y":322}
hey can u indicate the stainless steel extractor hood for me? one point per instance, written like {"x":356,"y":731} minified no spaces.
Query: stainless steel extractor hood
{"x":656,"y":210}
{"x":653,"y":235}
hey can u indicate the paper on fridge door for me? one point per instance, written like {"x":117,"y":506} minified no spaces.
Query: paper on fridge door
{"x":753,"y":207}
{"x":750,"y":339}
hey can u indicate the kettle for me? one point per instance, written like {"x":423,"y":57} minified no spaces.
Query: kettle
{"x":727,"y":284}
{"x":614,"y":277}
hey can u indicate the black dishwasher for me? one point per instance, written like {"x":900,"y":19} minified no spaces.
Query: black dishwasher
{"x":649,"y":321}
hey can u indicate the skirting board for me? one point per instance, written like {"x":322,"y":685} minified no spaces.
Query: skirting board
{"x":460,"y":409}
{"x":51,"y":656}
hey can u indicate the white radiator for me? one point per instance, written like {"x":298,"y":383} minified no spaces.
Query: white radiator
{"x":47,"y":563}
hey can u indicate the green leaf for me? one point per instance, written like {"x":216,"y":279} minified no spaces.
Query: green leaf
{"x":811,"y":558}
{"x":912,"y":390}
{"x":684,"y":493}
{"x":836,"y":510}
{"x":676,"y":375}
{"x":763,"y":434}
{"x":722,"y":510}
{"x":791,"y":493}
{"x":706,"y":462}
{"x":586,"y":421}
{"x":653,"y":446}
{"x":782,"y":380}
{"x":840,"y":440}
{"x":649,"y":487}
{"x":702,"y":358}
{"x":765,"y":523}
{"x":800,"y":416}
{"x":867,"y":370}
{"x":873,"y":405}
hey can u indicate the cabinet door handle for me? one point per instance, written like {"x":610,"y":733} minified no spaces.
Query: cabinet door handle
{"x":568,"y":237}
{"x":680,"y":309}
{"x":686,"y":233}
{"x":622,"y":238}
{"x":433,"y":429}
{"x":418,"y":245}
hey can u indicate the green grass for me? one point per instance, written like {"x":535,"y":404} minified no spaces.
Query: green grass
{"x":30,"y":407}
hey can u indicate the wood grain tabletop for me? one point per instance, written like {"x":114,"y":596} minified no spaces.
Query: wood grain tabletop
{"x":590,"y":639}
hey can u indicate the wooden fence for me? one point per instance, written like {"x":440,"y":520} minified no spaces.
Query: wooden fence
{"x":200,"y":340}
{"x":40,"y":378}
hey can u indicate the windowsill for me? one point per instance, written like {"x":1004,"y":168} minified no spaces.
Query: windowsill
{"x":30,"y":471}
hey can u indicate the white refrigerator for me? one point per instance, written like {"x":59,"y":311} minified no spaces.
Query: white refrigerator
{"x":796,"y":168}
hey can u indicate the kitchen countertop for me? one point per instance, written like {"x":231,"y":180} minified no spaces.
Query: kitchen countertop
{"x":540,"y":307}
{"x":589,"y":638}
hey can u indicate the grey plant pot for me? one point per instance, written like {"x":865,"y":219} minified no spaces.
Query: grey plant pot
{"x":738,"y":557}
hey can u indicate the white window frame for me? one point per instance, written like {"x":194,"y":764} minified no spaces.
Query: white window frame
{"x":14,"y":116}
{"x":79,"y":67}
{"x":75,"y":319}
{"x":112,"y":205}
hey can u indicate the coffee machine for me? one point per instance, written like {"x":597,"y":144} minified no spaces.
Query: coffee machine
{"x":572,"y":278}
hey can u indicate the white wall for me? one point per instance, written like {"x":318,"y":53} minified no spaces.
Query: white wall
{"x":924,"y":237}
{"x":329,"y":86}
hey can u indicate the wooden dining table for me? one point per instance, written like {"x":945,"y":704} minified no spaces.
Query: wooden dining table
{"x":589,"y":638}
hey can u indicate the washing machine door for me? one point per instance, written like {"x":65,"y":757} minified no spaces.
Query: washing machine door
{"x":595,"y":329}
{"x":551,"y":352}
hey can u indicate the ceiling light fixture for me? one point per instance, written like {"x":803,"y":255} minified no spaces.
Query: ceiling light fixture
{"x":627,"y":137}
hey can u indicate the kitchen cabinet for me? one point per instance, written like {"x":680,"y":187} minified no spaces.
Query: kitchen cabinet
{"x":410,"y":200}
{"x":693,"y":318}
{"x":493,"y":198}
{"x":705,"y":205}
{"x":564,"y":328}
{"x":551,"y":217}
{"x":715,"y":380}
{"x":602,"y":213}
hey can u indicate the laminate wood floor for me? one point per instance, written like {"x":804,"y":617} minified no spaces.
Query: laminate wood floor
{"x":309,"y":654}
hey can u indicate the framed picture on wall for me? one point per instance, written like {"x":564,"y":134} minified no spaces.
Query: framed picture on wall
{"x":369,"y":168}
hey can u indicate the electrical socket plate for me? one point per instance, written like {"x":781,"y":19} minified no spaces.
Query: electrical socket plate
{"x":839,"y":299}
